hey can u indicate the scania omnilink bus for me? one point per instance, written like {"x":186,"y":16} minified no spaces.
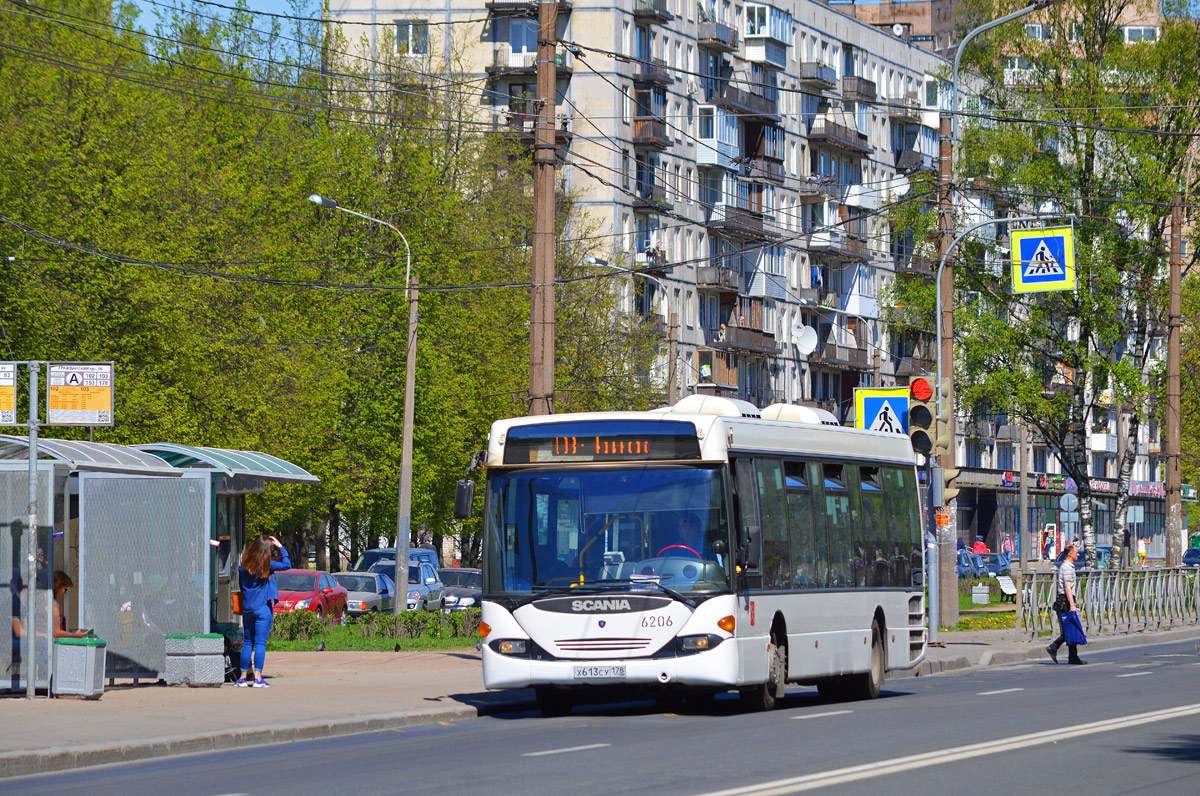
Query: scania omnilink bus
{"x":697,"y":549}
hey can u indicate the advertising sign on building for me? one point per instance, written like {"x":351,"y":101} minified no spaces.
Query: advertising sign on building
{"x":8,"y":393}
{"x":80,"y":394}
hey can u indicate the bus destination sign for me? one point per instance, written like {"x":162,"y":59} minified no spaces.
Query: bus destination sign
{"x":601,"y":441}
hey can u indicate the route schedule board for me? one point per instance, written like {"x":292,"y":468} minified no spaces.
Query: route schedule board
{"x":8,"y":393}
{"x":1043,"y":259}
{"x":79,"y":394}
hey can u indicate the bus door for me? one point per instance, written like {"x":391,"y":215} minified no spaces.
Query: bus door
{"x":749,"y":529}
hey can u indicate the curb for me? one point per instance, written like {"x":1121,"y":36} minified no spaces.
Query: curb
{"x":1100,"y":643}
{"x":48,"y":761}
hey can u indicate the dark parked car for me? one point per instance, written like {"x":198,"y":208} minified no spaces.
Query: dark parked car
{"x":311,"y":590}
{"x":377,"y":554}
{"x":1191,"y":557}
{"x":463,"y":587}
{"x":368,"y":591}
{"x":993,"y":563}
{"x":425,"y":590}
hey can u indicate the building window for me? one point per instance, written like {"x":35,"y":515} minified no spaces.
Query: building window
{"x":1040,"y":459}
{"x":1139,"y":34}
{"x":412,"y":37}
{"x":1038,"y":31}
{"x":1004,"y":456}
{"x":1075,"y":32}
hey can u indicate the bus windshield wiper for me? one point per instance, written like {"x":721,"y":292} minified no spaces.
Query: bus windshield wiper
{"x":546,"y":591}
{"x":645,"y":582}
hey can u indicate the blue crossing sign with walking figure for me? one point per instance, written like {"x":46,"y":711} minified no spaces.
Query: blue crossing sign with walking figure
{"x":884,"y":409}
{"x":1043,"y":259}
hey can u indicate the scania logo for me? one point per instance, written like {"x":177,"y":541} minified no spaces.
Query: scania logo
{"x":589,"y":606}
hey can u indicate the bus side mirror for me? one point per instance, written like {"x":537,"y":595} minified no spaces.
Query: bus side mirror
{"x":752,"y":547}
{"x":464,"y":499}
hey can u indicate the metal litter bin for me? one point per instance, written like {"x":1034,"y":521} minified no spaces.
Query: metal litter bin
{"x":79,"y":667}
{"x":196,"y":659}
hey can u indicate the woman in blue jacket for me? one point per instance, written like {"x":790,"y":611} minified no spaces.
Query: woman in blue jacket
{"x":259,"y":595}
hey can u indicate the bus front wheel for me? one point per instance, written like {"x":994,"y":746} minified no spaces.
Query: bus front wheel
{"x":765,"y":695}
{"x":868,"y":684}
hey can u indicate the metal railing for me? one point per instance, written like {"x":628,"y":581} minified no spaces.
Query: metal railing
{"x":1114,"y":601}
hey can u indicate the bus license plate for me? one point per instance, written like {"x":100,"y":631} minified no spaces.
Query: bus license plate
{"x":599,"y":672}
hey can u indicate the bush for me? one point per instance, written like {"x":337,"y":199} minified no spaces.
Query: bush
{"x":419,"y":624}
{"x":297,"y":626}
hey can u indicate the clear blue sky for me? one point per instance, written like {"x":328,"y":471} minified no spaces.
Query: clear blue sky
{"x":148,"y":10}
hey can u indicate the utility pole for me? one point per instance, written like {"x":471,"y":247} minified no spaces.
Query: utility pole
{"x":541,"y":311}
{"x":1171,"y":424}
{"x":946,"y":532}
{"x":404,"y":532}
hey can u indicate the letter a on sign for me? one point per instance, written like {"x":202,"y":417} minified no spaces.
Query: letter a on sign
{"x":1043,"y":259}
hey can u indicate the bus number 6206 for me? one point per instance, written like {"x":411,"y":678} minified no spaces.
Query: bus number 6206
{"x":657,"y":621}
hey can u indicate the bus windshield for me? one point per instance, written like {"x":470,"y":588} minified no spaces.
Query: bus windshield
{"x":607,"y":528}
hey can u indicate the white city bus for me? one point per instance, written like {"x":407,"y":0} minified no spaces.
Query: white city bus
{"x":698,"y":549}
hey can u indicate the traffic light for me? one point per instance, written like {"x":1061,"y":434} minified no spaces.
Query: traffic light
{"x":943,"y":432}
{"x":921,"y":425}
{"x":949,"y":489}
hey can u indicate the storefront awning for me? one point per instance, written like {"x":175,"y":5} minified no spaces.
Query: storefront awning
{"x":100,"y":457}
{"x":251,"y":464}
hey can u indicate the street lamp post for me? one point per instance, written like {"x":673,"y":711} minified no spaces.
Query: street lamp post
{"x":404,"y":498}
{"x":672,"y":322}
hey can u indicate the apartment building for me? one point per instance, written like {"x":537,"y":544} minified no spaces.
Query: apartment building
{"x":743,"y":153}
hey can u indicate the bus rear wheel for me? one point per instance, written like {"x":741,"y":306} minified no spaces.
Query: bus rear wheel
{"x":868,"y":684}
{"x":553,"y":701}
{"x":765,"y":695}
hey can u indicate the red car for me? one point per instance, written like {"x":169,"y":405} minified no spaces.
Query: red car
{"x":310,"y":590}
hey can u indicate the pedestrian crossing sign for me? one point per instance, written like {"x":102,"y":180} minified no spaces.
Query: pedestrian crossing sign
{"x":881,"y":409}
{"x":1043,"y":259}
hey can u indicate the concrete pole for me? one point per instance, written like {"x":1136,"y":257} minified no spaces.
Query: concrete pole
{"x":404,"y":523}
{"x":1171,"y":424}
{"x":29,"y":648}
{"x":947,"y":569}
{"x":1025,"y":532}
{"x":541,"y":320}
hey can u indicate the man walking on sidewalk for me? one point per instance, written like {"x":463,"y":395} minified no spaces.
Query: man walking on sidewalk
{"x":1071,"y":631}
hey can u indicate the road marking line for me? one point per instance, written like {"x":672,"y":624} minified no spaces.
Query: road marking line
{"x":912,"y":762}
{"x":822,"y":715}
{"x":1001,"y":691}
{"x":568,"y":749}
{"x":1134,"y":674}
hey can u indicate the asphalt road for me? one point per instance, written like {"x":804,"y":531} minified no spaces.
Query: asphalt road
{"x":1129,"y":722}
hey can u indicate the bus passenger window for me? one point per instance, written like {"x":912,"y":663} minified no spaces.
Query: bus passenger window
{"x":808,"y":560}
{"x":839,"y":525}
{"x":873,"y":528}
{"x":772,"y":507}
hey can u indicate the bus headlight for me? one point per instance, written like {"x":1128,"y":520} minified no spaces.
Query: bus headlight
{"x":516,"y":647}
{"x":694,"y":643}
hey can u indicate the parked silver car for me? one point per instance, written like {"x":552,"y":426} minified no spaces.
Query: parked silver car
{"x":425,"y":589}
{"x":368,"y":591}
{"x":464,"y":587}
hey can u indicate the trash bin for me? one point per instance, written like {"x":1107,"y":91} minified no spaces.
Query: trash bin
{"x":79,"y":667}
{"x":980,"y":595}
{"x":197,"y":659}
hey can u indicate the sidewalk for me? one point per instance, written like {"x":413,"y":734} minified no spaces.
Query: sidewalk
{"x":319,"y":694}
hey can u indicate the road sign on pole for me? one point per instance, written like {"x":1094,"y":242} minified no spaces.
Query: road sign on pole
{"x":1043,"y":259}
{"x":79,"y":394}
{"x":8,"y":393}
{"x":882,"y":409}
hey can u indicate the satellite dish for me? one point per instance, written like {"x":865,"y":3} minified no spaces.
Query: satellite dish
{"x":900,"y":185}
{"x":897,"y":29}
{"x":806,"y":342}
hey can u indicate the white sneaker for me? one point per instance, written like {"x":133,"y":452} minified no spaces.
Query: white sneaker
{"x":261,"y":684}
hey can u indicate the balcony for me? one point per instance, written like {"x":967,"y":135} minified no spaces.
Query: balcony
{"x":511,"y":8}
{"x":718,"y":278}
{"x":911,"y":264}
{"x":737,"y":222}
{"x":506,"y":63}
{"x":765,"y":170}
{"x":525,"y":125}
{"x":906,"y":110}
{"x":858,"y":89}
{"x":1103,"y":443}
{"x":912,"y":366}
{"x":738,"y":338}
{"x":650,"y":132}
{"x":650,"y":258}
{"x":653,"y":73}
{"x":654,"y":11}
{"x":716,"y":36}
{"x":807,"y":295}
{"x":912,"y":160}
{"x":836,"y":245}
{"x":650,"y":198}
{"x":719,"y":92}
{"x":840,"y":356}
{"x":835,"y":136}
{"x":813,"y":186}
{"x":817,"y":77}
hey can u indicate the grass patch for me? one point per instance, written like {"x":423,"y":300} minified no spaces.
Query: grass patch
{"x":999,"y":620}
{"x":350,"y":639}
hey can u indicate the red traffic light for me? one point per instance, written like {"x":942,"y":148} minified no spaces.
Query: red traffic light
{"x":920,"y":389}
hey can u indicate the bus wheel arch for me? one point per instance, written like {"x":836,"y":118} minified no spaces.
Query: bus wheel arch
{"x":765,"y":696}
{"x":881,"y":622}
{"x":868,"y":684}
